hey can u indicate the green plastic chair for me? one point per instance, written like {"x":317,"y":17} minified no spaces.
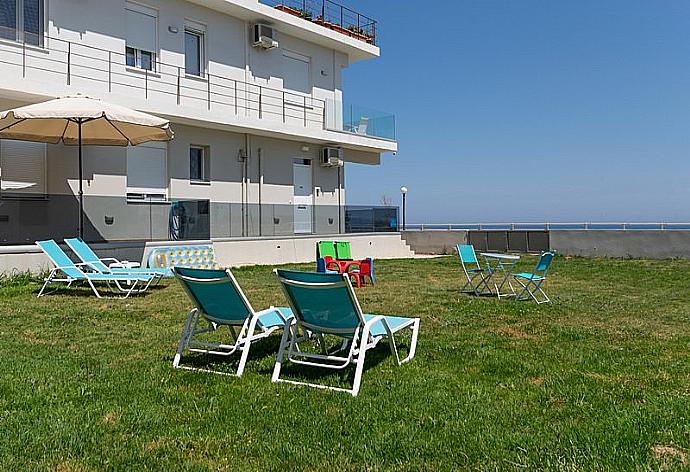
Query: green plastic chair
{"x":531,"y":281}
{"x":342,"y":249}
{"x":324,"y":249}
{"x":326,"y":305}
{"x":220,"y":303}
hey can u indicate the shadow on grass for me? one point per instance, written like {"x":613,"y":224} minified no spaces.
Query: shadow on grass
{"x":317,"y":375}
{"x":86,"y":292}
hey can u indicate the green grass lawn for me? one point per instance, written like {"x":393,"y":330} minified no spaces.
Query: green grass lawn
{"x":599,"y":379}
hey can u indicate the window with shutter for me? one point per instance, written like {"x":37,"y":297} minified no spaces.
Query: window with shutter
{"x":22,"y":169}
{"x":296,"y":68}
{"x":147,"y":174}
{"x":142,"y":36}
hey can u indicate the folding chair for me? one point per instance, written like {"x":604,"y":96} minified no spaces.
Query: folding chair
{"x":220,"y":303}
{"x":473,"y":270}
{"x":326,"y":305}
{"x":67,"y":272}
{"x":531,"y":282}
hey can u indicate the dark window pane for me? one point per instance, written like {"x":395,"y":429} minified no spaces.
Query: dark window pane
{"x":146,"y":60}
{"x":33,"y":21}
{"x":8,"y":19}
{"x":192,"y":51}
{"x":195,"y":163}
{"x":131,"y":57}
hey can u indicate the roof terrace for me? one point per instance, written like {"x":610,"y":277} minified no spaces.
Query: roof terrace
{"x":330,"y":15}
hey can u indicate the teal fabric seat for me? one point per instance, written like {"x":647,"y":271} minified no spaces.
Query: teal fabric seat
{"x":84,"y":252}
{"x":220,"y":303}
{"x":67,"y":272}
{"x":527,"y":275}
{"x":395,"y":323}
{"x":325,"y":305}
{"x":532,"y":282}
{"x":475,"y":274}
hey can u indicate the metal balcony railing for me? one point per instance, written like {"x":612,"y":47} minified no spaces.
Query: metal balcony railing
{"x":89,"y":68}
{"x":330,"y":15}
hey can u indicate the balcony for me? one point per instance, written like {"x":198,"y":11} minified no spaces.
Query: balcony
{"x":64,"y":67}
{"x":359,"y":120}
{"x":330,"y":15}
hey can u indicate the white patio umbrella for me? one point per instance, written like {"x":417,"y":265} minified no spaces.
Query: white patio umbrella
{"x":82,"y":120}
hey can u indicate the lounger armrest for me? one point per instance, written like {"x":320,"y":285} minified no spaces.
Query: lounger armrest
{"x":276,"y":311}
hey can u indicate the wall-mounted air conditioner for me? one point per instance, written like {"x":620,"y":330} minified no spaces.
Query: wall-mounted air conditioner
{"x":332,"y":157}
{"x":264,"y":37}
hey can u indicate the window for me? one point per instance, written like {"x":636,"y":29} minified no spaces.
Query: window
{"x":22,"y":20}
{"x":147,"y":175}
{"x":296,"y":70}
{"x":199,"y":164}
{"x":194,"y":50}
{"x":142,"y":36}
{"x":22,"y":169}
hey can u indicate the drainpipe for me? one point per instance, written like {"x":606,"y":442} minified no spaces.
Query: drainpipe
{"x":340,"y":204}
{"x":261,"y":184}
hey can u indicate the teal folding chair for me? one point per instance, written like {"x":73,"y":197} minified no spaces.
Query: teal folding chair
{"x":219,"y":302}
{"x":531,"y":282}
{"x":476,"y":276}
{"x":88,"y":257}
{"x":325,"y":305}
{"x":67,"y":272}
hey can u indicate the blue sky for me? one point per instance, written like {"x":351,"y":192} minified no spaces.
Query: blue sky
{"x":528,"y":110}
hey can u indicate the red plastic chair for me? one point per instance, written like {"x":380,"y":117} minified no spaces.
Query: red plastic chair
{"x":360,"y":270}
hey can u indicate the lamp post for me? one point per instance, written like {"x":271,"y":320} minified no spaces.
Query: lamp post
{"x":403,"y":190}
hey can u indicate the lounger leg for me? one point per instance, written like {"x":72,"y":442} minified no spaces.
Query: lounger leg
{"x":360,"y":361}
{"x":93,"y":287}
{"x":287,"y":333}
{"x":247,"y":345}
{"x":47,"y":282}
{"x":183,"y":339}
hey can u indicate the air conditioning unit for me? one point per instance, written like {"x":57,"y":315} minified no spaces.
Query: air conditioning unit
{"x":264,"y":37}
{"x":332,"y":157}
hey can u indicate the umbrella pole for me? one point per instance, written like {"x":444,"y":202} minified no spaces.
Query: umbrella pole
{"x":81,"y":191}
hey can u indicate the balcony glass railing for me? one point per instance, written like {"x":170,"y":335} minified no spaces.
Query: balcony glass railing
{"x":357,"y":119}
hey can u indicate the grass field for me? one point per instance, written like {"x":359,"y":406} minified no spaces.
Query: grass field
{"x":598,"y":380}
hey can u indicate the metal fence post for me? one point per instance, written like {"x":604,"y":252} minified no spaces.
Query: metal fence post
{"x":69,"y":62}
{"x":208,"y":90}
{"x":110,"y":71}
{"x":283,"y":106}
{"x":178,"y":84}
{"x":261,"y":114}
{"x":24,"y":57}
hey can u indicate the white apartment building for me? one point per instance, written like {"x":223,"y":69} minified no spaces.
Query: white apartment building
{"x":254,"y":93}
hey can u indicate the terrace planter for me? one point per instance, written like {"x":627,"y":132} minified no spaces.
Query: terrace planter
{"x":289,"y":10}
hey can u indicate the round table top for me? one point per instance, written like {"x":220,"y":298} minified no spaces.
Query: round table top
{"x":495,"y":255}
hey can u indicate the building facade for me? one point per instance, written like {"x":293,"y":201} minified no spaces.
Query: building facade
{"x":254,"y":94}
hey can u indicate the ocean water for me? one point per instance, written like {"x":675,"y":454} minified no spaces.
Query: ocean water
{"x":553,"y":226}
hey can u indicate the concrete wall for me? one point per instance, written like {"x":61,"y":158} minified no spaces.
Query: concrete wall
{"x":647,"y":244}
{"x":434,"y":242}
{"x":229,"y":252}
{"x":639,"y":244}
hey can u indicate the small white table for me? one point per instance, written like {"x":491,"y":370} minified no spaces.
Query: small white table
{"x":124,"y":265}
{"x":500,"y":264}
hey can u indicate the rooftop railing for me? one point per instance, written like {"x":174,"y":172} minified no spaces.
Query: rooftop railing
{"x":330,"y":15}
